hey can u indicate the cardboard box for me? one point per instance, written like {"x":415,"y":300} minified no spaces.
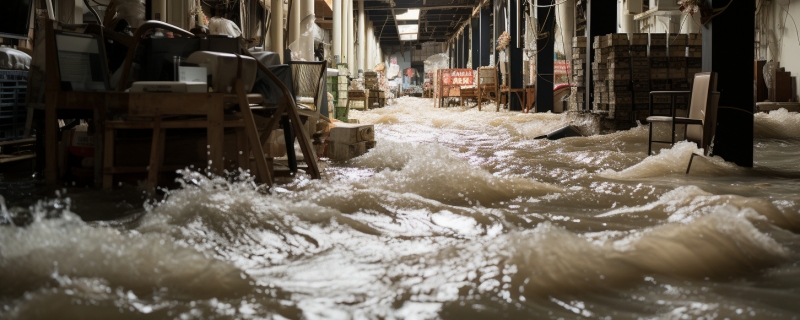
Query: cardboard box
{"x":352,"y":133}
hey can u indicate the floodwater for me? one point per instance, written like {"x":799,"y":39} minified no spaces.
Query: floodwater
{"x":456,"y":214}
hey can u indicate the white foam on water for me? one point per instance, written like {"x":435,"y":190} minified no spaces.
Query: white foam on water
{"x":675,"y":160}
{"x":49,"y":249}
{"x":779,"y":124}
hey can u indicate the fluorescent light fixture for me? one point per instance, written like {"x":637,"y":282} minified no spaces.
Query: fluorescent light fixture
{"x":407,"y":28}
{"x":408,"y":37}
{"x":411,"y":14}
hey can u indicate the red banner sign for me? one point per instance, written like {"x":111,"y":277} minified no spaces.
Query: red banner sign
{"x":457,"y":77}
{"x":561,"y":67}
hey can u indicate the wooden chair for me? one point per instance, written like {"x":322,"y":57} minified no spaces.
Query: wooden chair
{"x":702,"y":112}
{"x":488,"y":86}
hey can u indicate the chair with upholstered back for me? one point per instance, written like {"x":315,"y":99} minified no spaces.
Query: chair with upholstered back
{"x":306,"y":82}
{"x":702,"y":112}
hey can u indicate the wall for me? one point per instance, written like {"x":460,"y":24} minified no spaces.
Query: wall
{"x":779,"y":37}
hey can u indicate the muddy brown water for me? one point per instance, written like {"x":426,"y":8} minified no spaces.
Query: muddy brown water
{"x":456,"y":214}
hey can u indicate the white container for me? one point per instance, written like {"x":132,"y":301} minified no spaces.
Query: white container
{"x":223,"y":67}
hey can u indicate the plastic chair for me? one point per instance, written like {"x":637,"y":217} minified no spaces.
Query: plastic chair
{"x":306,"y":81}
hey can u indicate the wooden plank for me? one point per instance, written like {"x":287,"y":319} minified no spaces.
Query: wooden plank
{"x":17,"y":142}
{"x":150,"y":104}
{"x":17,"y":158}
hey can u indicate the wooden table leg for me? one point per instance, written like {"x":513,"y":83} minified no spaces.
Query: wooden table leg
{"x":216,"y":136}
{"x":108,"y":158}
{"x":252,"y":135}
{"x":156,"y":156}
{"x":51,"y":135}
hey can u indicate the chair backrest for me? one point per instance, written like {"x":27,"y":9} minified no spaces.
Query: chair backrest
{"x":487,"y":76}
{"x":306,"y":78}
{"x":703,"y":107}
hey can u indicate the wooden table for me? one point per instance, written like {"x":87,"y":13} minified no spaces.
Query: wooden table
{"x":99,"y":105}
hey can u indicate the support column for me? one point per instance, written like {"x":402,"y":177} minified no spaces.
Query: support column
{"x":370,"y":53}
{"x":515,"y":57}
{"x":337,"y":31}
{"x":544,"y":58}
{"x":306,"y":22}
{"x":724,"y":34}
{"x":486,"y":38}
{"x":350,"y":39}
{"x":362,"y":36}
{"x":476,"y":42}
{"x":276,"y":28}
{"x":466,"y":46}
{"x":566,"y":14}
{"x":159,"y":10}
{"x":601,"y":20}
{"x":294,"y":23}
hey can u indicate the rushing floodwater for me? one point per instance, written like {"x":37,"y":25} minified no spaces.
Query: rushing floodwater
{"x":455,"y":214}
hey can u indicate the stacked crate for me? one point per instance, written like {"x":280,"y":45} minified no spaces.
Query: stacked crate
{"x":578,"y":89}
{"x":659,"y":73}
{"x":677,"y":71}
{"x":620,"y":96}
{"x":640,"y":76}
{"x":342,"y":84}
{"x":13,"y":86}
{"x":600,"y":75}
{"x":694,"y":55}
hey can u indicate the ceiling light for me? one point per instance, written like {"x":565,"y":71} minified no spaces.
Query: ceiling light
{"x":411,"y":14}
{"x":407,"y":28}
{"x":408,"y":37}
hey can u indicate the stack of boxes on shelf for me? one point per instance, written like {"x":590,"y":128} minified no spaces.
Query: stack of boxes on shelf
{"x":694,"y":55}
{"x":13,"y":113}
{"x":640,"y":76}
{"x":376,"y":95}
{"x":578,"y":90}
{"x":620,"y":97}
{"x":600,"y":75}
{"x":342,"y":84}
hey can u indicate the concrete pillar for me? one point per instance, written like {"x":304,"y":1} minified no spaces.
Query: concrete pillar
{"x":370,"y":54}
{"x":159,"y":10}
{"x":515,"y":66}
{"x":544,"y":59}
{"x":362,"y":36}
{"x":276,"y":28}
{"x":485,"y":37}
{"x":722,"y":36}
{"x":351,"y":39}
{"x":337,"y":30}
{"x":566,"y":14}
{"x":294,"y":22}
{"x":306,"y":23}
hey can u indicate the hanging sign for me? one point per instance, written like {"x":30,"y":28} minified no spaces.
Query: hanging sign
{"x":457,"y":77}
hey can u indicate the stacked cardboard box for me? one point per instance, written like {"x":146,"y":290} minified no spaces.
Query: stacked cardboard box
{"x":640,"y":76}
{"x":677,"y":62}
{"x":600,"y":75}
{"x":348,"y":141}
{"x":371,"y":80}
{"x":620,"y":96}
{"x":578,"y":90}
